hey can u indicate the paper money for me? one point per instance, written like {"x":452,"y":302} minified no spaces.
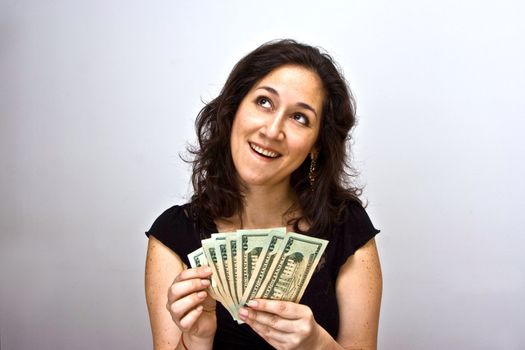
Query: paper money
{"x":198,"y":259}
{"x":213,"y":256}
{"x":225,"y":265}
{"x":262,"y":263}
{"x":251,"y":244}
{"x":231,"y":250}
{"x":286,"y":278}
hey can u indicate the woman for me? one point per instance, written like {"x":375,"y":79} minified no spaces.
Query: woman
{"x":271,"y":152}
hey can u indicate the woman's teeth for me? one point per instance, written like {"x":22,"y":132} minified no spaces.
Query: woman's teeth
{"x":263,"y":151}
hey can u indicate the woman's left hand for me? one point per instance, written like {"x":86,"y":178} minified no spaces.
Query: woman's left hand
{"x":283,"y":324}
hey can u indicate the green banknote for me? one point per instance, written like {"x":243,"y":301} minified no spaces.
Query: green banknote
{"x":290,"y":273}
{"x":215,"y":262}
{"x":198,"y":259}
{"x":264,"y":263}
{"x":225,"y":265}
{"x":231,"y":250}
{"x":250,"y":244}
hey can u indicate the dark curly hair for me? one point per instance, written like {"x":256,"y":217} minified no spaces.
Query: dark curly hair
{"x":217,"y":192}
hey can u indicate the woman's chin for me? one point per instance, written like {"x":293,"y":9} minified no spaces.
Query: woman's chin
{"x":263,"y":180}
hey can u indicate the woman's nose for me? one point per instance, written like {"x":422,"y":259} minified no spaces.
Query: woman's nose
{"x":274,"y":128}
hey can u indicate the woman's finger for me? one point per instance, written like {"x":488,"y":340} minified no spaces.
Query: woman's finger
{"x":285,"y":309}
{"x":267,"y":319}
{"x":189,"y":319}
{"x":199,"y":272}
{"x":181,"y":289}
{"x":183,"y":306}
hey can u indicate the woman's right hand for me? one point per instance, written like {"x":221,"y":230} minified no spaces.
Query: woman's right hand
{"x":191,"y":307}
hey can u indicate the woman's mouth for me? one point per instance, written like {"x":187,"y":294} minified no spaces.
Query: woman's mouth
{"x":264,"y":152}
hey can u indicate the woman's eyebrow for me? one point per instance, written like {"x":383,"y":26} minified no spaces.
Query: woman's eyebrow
{"x":308,"y":107}
{"x":269,"y":89}
{"x":300,"y":104}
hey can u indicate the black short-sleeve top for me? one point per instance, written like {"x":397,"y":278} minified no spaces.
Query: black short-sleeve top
{"x":177,"y":231}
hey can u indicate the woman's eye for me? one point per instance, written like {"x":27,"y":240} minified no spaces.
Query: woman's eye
{"x":301,"y":118}
{"x":264,"y":102}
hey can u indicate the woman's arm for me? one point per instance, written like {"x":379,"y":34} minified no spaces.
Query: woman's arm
{"x":178,"y":301}
{"x":359,"y":287}
{"x":162,"y":266}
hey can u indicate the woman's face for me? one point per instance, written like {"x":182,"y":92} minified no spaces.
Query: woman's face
{"x":276,"y":125}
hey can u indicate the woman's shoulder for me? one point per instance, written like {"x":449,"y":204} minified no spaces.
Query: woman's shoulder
{"x":354,"y":230}
{"x":355,"y":217}
{"x":176,"y":229}
{"x":171,"y":218}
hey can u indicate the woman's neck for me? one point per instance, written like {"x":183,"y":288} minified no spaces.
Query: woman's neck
{"x":266,"y":207}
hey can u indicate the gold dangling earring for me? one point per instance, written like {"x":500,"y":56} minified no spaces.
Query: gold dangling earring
{"x":311,"y":173}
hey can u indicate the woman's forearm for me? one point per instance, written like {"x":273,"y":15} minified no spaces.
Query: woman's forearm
{"x":326,"y":342}
{"x":188,"y":342}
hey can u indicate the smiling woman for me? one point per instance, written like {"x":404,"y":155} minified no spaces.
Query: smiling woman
{"x":275,"y":127}
{"x":272,"y":152}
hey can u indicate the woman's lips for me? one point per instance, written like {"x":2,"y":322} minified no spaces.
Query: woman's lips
{"x":264,"y":151}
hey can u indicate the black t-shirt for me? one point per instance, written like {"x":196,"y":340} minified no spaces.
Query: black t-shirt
{"x":177,"y":231}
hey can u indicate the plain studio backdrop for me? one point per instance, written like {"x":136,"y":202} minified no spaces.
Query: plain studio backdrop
{"x":98,"y":99}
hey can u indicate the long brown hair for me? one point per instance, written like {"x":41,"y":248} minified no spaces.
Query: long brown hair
{"x":217,"y":192}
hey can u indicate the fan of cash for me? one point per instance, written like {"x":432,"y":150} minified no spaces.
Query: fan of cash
{"x":261,"y":263}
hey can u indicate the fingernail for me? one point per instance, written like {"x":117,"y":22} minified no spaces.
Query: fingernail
{"x":243,"y":312}
{"x":201,"y":294}
{"x":207,"y":269}
{"x":252,"y":303}
{"x":205,"y":282}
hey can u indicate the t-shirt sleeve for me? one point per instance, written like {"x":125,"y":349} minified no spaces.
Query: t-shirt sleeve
{"x":174,"y":229}
{"x":356,"y":230}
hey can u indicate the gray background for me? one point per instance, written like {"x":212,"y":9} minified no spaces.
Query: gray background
{"x":98,"y":98}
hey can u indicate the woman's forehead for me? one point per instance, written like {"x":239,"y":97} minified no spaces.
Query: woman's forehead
{"x":295,"y":82}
